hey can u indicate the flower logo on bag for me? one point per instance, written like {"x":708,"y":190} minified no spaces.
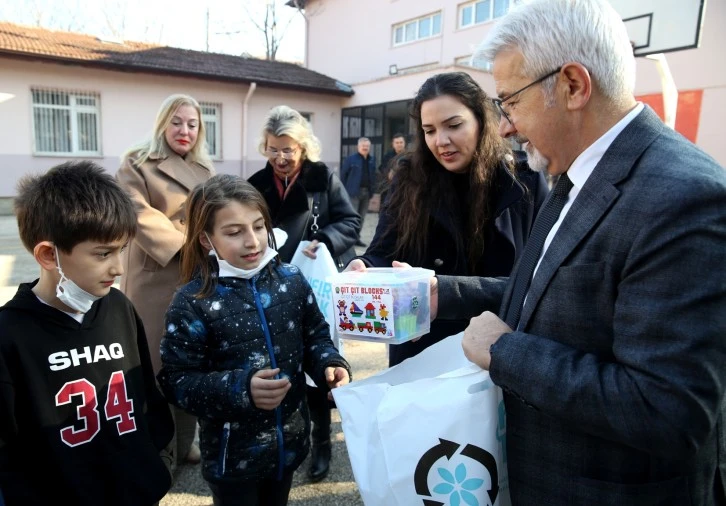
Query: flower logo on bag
{"x":457,"y":486}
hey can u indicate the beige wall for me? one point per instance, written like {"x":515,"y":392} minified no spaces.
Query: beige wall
{"x":352,"y":40}
{"x":129,"y":102}
{"x":405,"y":86}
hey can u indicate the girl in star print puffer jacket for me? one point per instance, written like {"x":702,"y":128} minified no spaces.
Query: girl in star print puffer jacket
{"x":240,"y":334}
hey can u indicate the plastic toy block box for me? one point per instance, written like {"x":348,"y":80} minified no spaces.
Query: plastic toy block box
{"x":384,"y":304}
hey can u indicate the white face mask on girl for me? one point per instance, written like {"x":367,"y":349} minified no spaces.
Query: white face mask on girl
{"x":70,"y":293}
{"x":227,"y":270}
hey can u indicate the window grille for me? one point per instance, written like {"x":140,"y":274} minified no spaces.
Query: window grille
{"x":212,"y":117}
{"x":66,"y":123}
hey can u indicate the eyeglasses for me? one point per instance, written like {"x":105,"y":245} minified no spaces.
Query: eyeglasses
{"x":286,"y":153}
{"x":499,"y":102}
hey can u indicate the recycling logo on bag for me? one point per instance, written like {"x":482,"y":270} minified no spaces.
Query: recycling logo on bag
{"x":460,"y":478}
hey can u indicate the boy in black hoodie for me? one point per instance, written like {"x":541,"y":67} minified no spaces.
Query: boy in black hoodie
{"x":81,"y":418}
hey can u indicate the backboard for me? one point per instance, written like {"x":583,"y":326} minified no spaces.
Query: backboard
{"x":662,"y":26}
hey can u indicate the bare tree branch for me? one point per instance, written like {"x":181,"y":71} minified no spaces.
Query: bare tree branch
{"x":36,"y":11}
{"x":251,"y":19}
{"x":269,"y":27}
{"x":114,"y":14}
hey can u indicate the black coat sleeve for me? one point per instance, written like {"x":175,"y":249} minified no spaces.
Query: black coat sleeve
{"x":343,"y":222}
{"x":380,"y":253}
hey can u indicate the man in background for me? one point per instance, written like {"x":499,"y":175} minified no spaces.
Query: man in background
{"x":358,"y":174}
{"x":385,"y":170}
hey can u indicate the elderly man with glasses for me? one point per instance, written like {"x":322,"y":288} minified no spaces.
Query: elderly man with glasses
{"x":608,"y":338}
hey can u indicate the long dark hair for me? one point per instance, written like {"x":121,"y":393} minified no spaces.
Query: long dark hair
{"x":421,"y":183}
{"x":202,"y":205}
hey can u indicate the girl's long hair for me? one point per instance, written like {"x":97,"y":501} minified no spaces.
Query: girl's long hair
{"x":201,"y":207}
{"x":421,"y":183}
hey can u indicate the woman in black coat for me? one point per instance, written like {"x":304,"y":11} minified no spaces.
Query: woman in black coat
{"x":459,"y":204}
{"x":291,"y":181}
{"x":301,"y":192}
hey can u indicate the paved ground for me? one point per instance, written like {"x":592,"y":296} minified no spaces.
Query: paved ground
{"x":338,"y":489}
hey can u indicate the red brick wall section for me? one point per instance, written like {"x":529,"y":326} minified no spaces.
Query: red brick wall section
{"x":688,"y":114}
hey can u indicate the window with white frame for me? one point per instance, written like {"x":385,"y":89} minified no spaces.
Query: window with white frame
{"x":417,"y":29}
{"x":212,"y":117}
{"x":481,"y":11}
{"x":66,"y":123}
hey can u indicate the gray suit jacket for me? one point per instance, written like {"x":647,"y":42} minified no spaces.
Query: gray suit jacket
{"x":614,"y":384}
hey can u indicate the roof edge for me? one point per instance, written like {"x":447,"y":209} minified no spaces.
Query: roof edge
{"x":343,"y":89}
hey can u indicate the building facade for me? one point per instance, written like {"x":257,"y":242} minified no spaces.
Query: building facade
{"x":67,"y":96}
{"x":385,"y":49}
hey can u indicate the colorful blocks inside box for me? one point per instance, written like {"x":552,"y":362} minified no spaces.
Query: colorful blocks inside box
{"x":384,"y":304}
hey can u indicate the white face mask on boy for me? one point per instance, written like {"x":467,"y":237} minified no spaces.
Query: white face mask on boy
{"x":70,"y":293}
{"x":227,"y":270}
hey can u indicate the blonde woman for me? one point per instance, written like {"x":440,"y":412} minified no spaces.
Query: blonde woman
{"x":159,"y":173}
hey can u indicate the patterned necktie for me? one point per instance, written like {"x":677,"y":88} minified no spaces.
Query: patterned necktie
{"x":542,"y":226}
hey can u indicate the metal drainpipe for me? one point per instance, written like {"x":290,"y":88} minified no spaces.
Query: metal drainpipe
{"x":306,"y":63}
{"x":250,"y":91}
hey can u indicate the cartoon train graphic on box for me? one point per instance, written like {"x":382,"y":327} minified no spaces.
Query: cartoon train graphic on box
{"x":377,"y":327}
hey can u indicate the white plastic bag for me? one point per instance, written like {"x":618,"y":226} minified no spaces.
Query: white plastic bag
{"x":315,"y":271}
{"x":429,"y":429}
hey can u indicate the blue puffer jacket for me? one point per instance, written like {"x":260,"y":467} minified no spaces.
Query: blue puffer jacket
{"x":213,"y":346}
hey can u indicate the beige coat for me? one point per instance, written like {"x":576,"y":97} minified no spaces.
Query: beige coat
{"x":159,"y":188}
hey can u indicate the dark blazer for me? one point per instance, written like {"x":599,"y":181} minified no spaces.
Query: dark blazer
{"x":339,"y":223}
{"x":351,"y":173}
{"x":614,"y":384}
{"x":516,"y":205}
